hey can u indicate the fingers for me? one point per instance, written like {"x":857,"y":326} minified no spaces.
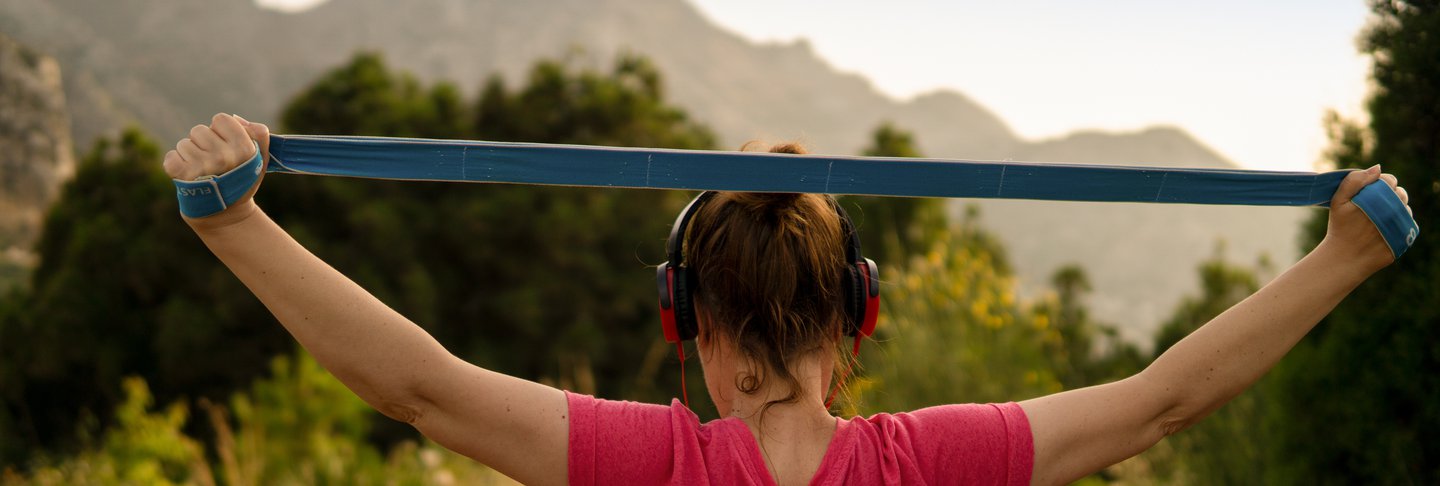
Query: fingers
{"x":204,"y":138}
{"x":229,"y":128}
{"x":1394,"y":184}
{"x":214,"y":149}
{"x":1390,"y":180}
{"x":1352,"y":185}
{"x":206,"y":162}
{"x":1400,"y":192}
{"x":257,"y":132}
{"x":177,"y":168}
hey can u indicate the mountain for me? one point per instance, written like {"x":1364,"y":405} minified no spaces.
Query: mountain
{"x":37,"y":154}
{"x":1141,"y":258}
{"x":167,"y":64}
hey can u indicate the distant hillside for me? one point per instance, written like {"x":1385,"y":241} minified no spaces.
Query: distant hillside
{"x":36,"y":154}
{"x":170,"y":63}
{"x":1140,"y":256}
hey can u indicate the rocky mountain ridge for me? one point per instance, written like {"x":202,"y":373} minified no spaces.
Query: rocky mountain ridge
{"x":36,"y":154}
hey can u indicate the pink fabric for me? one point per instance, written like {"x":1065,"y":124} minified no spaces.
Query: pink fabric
{"x":613,"y":442}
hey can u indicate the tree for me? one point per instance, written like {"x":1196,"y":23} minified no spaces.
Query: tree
{"x":893,"y":229}
{"x":122,"y":287}
{"x":1088,"y":352}
{"x":539,"y":282}
{"x":1358,"y":395}
{"x":1222,"y":285}
{"x":298,"y":425}
{"x":951,"y":330}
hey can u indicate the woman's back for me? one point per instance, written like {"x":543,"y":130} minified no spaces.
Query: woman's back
{"x":615,"y":442}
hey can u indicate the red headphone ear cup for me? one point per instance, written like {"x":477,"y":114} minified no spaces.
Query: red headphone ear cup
{"x":870,"y":280}
{"x":665,"y":283}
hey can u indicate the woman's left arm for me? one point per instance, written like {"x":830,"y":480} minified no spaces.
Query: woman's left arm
{"x":1081,"y":431}
{"x":516,"y":426}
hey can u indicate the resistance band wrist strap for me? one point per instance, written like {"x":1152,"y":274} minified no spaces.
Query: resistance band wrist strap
{"x":1388,"y":215}
{"x":645,"y":168}
{"x":208,"y":195}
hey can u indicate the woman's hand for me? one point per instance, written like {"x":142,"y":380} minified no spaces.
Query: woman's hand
{"x":212,"y":150}
{"x":1350,"y":235}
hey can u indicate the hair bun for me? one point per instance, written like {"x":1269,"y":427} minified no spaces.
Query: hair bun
{"x":778,"y":200}
{"x":789,"y":148}
{"x":770,"y":202}
{"x":767,"y":202}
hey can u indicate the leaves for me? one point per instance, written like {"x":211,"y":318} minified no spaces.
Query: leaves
{"x":1360,"y":390}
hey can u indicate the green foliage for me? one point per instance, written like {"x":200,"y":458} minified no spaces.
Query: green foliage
{"x":1087,"y":352}
{"x":953,"y":331}
{"x":143,"y":447}
{"x":539,"y":282}
{"x":560,"y":104}
{"x":121,"y":288}
{"x":318,"y":418}
{"x":365,"y":97}
{"x":298,"y":426}
{"x":894,"y":228}
{"x":1360,"y":394}
{"x":1222,"y":285}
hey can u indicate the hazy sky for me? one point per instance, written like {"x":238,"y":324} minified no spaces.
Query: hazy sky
{"x":1251,"y":79}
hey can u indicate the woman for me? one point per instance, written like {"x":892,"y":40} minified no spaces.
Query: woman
{"x":767,"y":271}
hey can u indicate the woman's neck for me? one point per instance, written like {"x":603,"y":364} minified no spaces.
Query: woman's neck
{"x":793,"y":436}
{"x":770,"y":401}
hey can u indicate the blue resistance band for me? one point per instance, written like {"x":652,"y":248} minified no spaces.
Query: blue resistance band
{"x":644,"y":168}
{"x":212,"y":194}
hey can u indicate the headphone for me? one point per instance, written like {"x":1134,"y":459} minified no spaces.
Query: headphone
{"x":677,"y":283}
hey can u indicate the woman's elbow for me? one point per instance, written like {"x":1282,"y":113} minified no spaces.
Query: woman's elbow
{"x":1176,"y":408}
{"x":399,"y":411}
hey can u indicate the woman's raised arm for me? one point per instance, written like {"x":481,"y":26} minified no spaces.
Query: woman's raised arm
{"x":515,"y":426}
{"x":1081,"y":431}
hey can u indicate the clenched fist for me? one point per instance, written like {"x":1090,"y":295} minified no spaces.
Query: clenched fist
{"x":1350,"y":231}
{"x":215,"y":149}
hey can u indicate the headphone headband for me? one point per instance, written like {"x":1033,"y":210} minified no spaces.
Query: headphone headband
{"x":674,"y":247}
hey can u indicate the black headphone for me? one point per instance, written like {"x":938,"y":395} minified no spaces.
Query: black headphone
{"x":677,"y":283}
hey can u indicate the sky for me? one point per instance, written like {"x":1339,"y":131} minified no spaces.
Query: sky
{"x":1250,"y":79}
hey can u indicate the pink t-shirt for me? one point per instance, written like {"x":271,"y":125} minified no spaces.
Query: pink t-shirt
{"x":614,"y":442}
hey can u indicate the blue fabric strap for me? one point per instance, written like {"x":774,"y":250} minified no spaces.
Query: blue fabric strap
{"x":211,"y":194}
{"x":1389,"y":216}
{"x":579,"y":165}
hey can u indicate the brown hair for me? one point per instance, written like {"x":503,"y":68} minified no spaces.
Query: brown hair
{"x":769,"y":269}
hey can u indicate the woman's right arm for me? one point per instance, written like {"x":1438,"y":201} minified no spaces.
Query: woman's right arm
{"x":515,"y":426}
{"x":1081,"y":431}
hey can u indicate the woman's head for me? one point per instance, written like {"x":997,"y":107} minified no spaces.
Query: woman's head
{"x":769,"y":270}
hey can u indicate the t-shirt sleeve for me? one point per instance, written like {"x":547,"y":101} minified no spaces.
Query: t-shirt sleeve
{"x":972,"y":443}
{"x":619,"y":442}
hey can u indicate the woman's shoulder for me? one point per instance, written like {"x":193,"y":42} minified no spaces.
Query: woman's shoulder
{"x":994,"y":420}
{"x":626,"y":442}
{"x":967,"y":412}
{"x":976,"y":440}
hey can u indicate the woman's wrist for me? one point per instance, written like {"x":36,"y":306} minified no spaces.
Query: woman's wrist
{"x":231,"y":216}
{"x":1348,"y":262}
